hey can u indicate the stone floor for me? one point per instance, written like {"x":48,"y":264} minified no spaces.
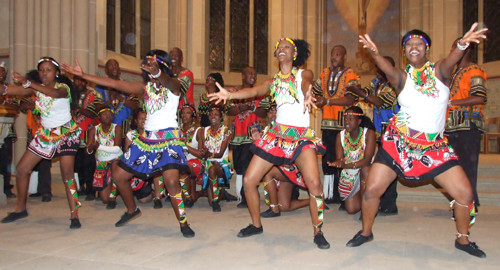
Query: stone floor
{"x":420,"y":237}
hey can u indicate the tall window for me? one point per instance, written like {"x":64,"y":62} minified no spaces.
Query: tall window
{"x":485,"y":11}
{"x":134,"y":34}
{"x":245,"y":22}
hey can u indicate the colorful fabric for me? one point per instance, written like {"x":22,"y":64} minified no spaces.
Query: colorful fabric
{"x":354,"y":150}
{"x":161,"y":186}
{"x":335,"y":86}
{"x":283,"y":88}
{"x":198,"y":168}
{"x":243,"y":122}
{"x":73,"y":190}
{"x":215,"y":189}
{"x":186,"y":78}
{"x":102,"y":175}
{"x":227,"y":172}
{"x":467,"y":82}
{"x":320,"y":204}
{"x":122,"y":112}
{"x":204,"y":108}
{"x":182,"y":181}
{"x":282,"y":144}
{"x":105,"y":138}
{"x":112,"y":194}
{"x":59,"y":141}
{"x":292,"y":174}
{"x":88,"y":102}
{"x":383,"y":113}
{"x":181,"y":209}
{"x":154,"y":152}
{"x":415,"y":155}
{"x":424,"y":79}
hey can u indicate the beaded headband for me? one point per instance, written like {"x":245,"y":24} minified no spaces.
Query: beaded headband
{"x":105,"y":109}
{"x":353,"y":113}
{"x":159,"y":61}
{"x":46,"y":59}
{"x":416,"y":36}
{"x":289,"y":40}
{"x":191,"y":107}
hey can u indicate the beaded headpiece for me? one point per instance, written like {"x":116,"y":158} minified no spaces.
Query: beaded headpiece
{"x":191,"y":107}
{"x":417,"y":36}
{"x":158,"y":60}
{"x":47,"y":59}
{"x":289,"y":40}
{"x":105,"y":109}
{"x":353,"y":113}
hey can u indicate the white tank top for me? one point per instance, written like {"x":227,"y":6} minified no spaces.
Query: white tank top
{"x":292,"y":114}
{"x":422,"y":112}
{"x":193,"y":144}
{"x":54,"y":112}
{"x":161,"y":114}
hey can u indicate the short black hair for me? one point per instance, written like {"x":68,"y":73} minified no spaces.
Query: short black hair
{"x":303,"y":52}
{"x":415,"y":32}
{"x":217,"y":77}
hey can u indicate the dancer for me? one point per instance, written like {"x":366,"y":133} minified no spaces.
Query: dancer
{"x":413,"y":145}
{"x":290,"y":139}
{"x":355,"y":146}
{"x":194,"y":155}
{"x":218,"y":169}
{"x":105,"y":140}
{"x":465,"y":121}
{"x":58,"y":136}
{"x":159,"y":149}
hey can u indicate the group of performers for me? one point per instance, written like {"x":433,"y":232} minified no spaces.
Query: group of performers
{"x":412,"y":146}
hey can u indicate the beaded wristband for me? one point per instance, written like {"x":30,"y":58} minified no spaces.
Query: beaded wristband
{"x":460,"y":47}
{"x":229,"y":97}
{"x":27,"y":84}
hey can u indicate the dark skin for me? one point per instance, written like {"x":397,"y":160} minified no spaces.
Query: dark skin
{"x":215,"y":171}
{"x":113,"y":71}
{"x":248,"y":78}
{"x":81,"y":86}
{"x":47,"y":72}
{"x":464,"y":62}
{"x":105,"y":117}
{"x":337,"y":58}
{"x":352,"y":122}
{"x":122,"y":177}
{"x":454,"y":180}
{"x":307,"y":160}
{"x":176,"y":57}
{"x":373,"y":99}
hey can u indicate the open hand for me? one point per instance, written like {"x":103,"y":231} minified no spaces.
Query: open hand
{"x":75,"y":70}
{"x":473,"y":36}
{"x":368,"y":43}
{"x":151,"y":65}
{"x":222,"y":95}
{"x":309,"y":100}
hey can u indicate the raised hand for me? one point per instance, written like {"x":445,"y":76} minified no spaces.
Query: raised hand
{"x":151,"y":65}
{"x":75,"y":70}
{"x":309,"y":100}
{"x":368,"y":43}
{"x":18,"y":78}
{"x":473,"y":36}
{"x":222,"y":95}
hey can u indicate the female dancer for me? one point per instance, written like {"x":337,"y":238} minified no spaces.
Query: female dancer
{"x":215,"y":139}
{"x":413,"y":145}
{"x":189,"y":131}
{"x":355,"y":146}
{"x":159,"y":149}
{"x":105,"y":139}
{"x":290,"y":139}
{"x":58,"y":136}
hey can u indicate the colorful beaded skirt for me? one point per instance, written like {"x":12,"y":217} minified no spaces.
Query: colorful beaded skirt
{"x":282,"y":144}
{"x":415,"y":155}
{"x":197,"y":166}
{"x":292,"y":174}
{"x":154,"y":152}
{"x":58,"y":141}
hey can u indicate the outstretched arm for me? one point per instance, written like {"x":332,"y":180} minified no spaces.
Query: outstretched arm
{"x":445,"y":66}
{"x":224,"y":95}
{"x":151,"y":67}
{"x":396,"y":76}
{"x":123,"y":86}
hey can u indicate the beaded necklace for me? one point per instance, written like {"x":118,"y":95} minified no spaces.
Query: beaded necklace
{"x":188,"y":135}
{"x":105,"y":138}
{"x":284,"y":88}
{"x":353,"y":146}
{"x":155,"y":97}
{"x":213,"y":140}
{"x":424,"y":79}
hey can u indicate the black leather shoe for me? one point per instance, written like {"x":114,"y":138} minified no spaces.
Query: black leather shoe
{"x":269,"y":213}
{"x":34,"y":195}
{"x":187,"y":231}
{"x":9,"y":194}
{"x":215,"y":207}
{"x":242,"y":205}
{"x":188,"y":204}
{"x":75,"y":223}
{"x":471,"y":248}
{"x":128,"y":217}
{"x":359,"y":239}
{"x":320,"y":241}
{"x":229,"y":197}
{"x":250,"y":230}
{"x":90,"y":196}
{"x":13,"y":216}
{"x":388,"y":212}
